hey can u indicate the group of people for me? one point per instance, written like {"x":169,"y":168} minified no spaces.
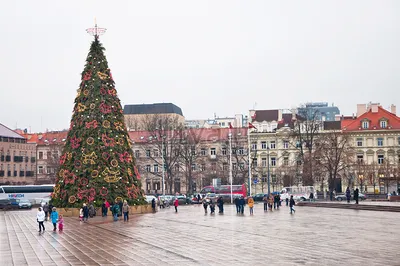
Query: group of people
{"x":209,"y":203}
{"x":49,"y":214}
{"x":119,"y":208}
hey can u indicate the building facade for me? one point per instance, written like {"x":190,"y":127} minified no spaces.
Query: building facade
{"x":17,"y":158}
{"x":321,"y":110}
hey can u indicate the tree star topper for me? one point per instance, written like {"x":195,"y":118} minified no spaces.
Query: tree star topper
{"x":96,"y":31}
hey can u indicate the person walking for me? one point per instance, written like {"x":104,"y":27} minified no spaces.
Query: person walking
{"x":115,"y":211}
{"x":107,"y":207}
{"x":153,"y":204}
{"x":54,"y":218}
{"x":198,"y":198}
{"x":356,"y":194}
{"x":250,"y":202}
{"x":60,"y":223}
{"x":85,"y":212}
{"x":237,"y":203}
{"x":348,"y":194}
{"x":311,"y":197}
{"x":291,"y":204}
{"x":40,"y":217}
{"x":103,"y":209}
{"x":46,"y":210}
{"x":205,"y":205}
{"x":265,"y":200}
{"x":176,"y":204}
{"x":125,"y":211}
{"x":92,"y":211}
{"x":287,"y":202}
{"x":270,"y":202}
{"x":220,"y":203}
{"x":242,"y":202}
{"x":120,"y":204}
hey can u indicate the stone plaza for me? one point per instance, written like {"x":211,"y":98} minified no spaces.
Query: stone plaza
{"x":311,"y":236}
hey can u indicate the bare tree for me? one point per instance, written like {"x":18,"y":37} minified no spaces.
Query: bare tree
{"x":334,"y":154}
{"x":305,"y":132}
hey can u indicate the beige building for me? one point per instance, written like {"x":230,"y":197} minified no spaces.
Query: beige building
{"x":146,"y":116}
{"x":17,"y":158}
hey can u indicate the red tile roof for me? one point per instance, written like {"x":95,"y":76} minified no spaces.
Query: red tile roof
{"x":57,"y":137}
{"x":374,"y":118}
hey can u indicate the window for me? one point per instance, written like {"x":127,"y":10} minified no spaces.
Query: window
{"x":234,"y":166}
{"x":263,"y":145}
{"x":273,"y":145}
{"x":40,"y":155}
{"x":193,"y":167}
{"x":360,"y":158}
{"x":240,"y":151}
{"x":286,"y":161}
{"x":147,"y":153}
{"x":213,"y":151}
{"x":380,"y":159}
{"x":359,"y":142}
{"x":203,"y":152}
{"x":273,"y":161}
{"x":193,"y":150}
{"x":155,"y":152}
{"x":156,"y":186}
{"x":40,"y":169}
{"x":223,"y":151}
{"x":263,"y":162}
{"x":203,"y":167}
{"x":286,"y":144}
{"x":254,"y":146}
{"x":255,"y":164}
{"x":365,"y":124}
{"x":137,"y":153}
{"x":298,"y":144}
{"x":176,"y":167}
{"x":241,"y":166}
{"x":380,"y":142}
{"x":155,"y":167}
{"x":176,"y":152}
{"x":49,"y":155}
{"x":383,"y":124}
{"x":398,"y":141}
{"x":213,"y":166}
{"x":148,"y":168}
{"x":225,"y":166}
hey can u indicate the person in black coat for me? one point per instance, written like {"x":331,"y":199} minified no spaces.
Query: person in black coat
{"x":291,"y":204}
{"x":120,"y":204}
{"x":220,"y":203}
{"x":85,"y":212}
{"x":356,"y":193}
{"x":153,"y":204}
{"x":237,"y":203}
{"x":242,"y":202}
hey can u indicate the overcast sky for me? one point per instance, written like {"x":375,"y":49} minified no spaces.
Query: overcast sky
{"x":207,"y":57}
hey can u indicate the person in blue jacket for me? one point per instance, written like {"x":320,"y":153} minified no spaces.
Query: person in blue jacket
{"x":54,"y":218}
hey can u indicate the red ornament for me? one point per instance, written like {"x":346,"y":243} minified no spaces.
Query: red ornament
{"x":87,"y":76}
{"x":92,"y":124}
{"x":104,"y":108}
{"x":69,"y":178}
{"x":125,"y":157}
{"x":103,"y":192}
{"x":103,"y":91}
{"x":83,"y":181}
{"x":75,"y":142}
{"x":106,"y":155}
{"x":63,"y":158}
{"x":108,"y":142}
{"x":136,"y":172}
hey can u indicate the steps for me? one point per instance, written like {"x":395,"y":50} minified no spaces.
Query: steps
{"x":365,"y":207}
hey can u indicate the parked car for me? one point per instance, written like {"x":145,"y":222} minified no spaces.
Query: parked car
{"x":183,"y":200}
{"x":149,"y":198}
{"x":24,"y":204}
{"x":342,"y":197}
{"x":6,"y":204}
{"x":259,"y":196}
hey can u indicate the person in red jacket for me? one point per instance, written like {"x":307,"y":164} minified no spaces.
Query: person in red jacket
{"x":176,"y":204}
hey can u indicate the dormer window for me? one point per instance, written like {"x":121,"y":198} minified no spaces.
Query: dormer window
{"x":365,"y":124}
{"x":383,"y":123}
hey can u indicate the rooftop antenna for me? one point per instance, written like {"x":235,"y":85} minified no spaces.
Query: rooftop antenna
{"x":96,"y":31}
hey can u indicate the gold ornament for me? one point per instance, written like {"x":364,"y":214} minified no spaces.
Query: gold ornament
{"x":81,"y":107}
{"x":120,"y":141}
{"x":102,"y":76}
{"x":114,"y":163}
{"x":90,"y":141}
{"x":92,"y":106}
{"x":86,"y":92}
{"x":69,"y":156}
{"x":72,"y":199}
{"x":95,"y":173}
{"x":57,"y":189}
{"x":89,"y":158}
{"x":110,"y":176}
{"x":61,"y":173}
{"x":119,"y":126}
{"x":130,"y":172}
{"x":106,"y":124}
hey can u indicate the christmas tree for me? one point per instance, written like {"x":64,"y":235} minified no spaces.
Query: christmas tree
{"x":97,"y":162}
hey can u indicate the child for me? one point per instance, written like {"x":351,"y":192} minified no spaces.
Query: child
{"x":212,"y":207}
{"x":291,"y":204}
{"x":60,"y":223}
{"x":54,"y":218}
{"x":176,"y":204}
{"x":81,"y":214}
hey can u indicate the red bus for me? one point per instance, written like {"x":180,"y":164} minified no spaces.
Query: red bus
{"x":225,"y":190}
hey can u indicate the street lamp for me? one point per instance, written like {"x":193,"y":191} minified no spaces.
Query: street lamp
{"x":230,"y":164}
{"x":361,"y":177}
{"x":268,"y":172}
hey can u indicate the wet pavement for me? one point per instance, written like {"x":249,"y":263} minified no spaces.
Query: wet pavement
{"x":311,"y":236}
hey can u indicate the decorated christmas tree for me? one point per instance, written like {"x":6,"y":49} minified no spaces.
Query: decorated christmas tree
{"x":97,"y":162}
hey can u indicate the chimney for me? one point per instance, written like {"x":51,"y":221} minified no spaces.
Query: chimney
{"x":374,"y":107}
{"x":361,"y":109}
{"x":393,"y":109}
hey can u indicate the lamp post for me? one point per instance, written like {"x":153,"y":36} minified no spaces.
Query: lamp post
{"x":361,"y":177}
{"x":381,"y":176}
{"x":230,"y":164}
{"x":163,"y":165}
{"x":268,"y":172}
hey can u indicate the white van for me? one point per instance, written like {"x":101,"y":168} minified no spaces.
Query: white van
{"x":301,"y":193}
